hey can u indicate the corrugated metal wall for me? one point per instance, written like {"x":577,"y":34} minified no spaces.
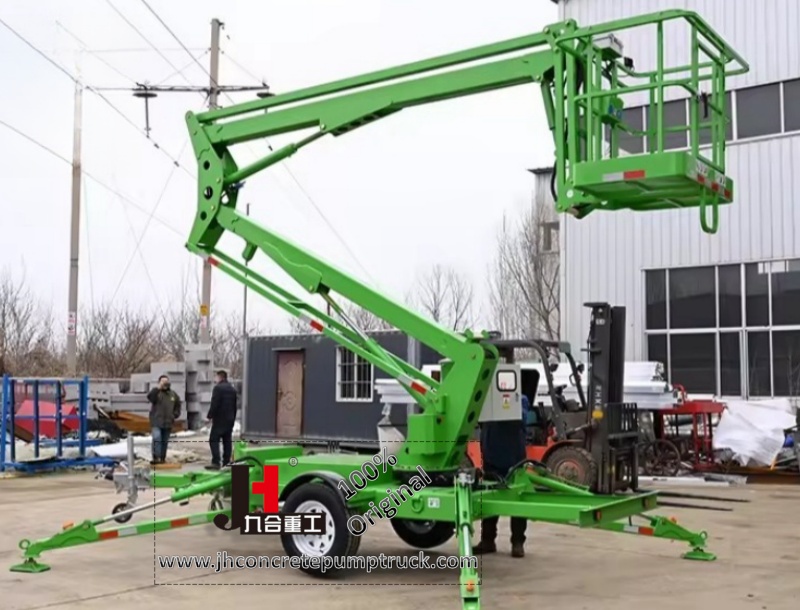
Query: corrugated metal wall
{"x":604,"y":255}
{"x":764,"y":32}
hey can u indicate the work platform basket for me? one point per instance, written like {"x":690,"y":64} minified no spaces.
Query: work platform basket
{"x":688,"y":60}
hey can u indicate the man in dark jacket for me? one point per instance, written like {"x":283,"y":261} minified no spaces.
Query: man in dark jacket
{"x":165,"y":408}
{"x":222,"y":416}
{"x":502,"y":447}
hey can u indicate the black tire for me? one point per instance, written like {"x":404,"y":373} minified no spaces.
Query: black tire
{"x":118,"y":509}
{"x":573,"y":464}
{"x":336,"y":542}
{"x":423,"y":534}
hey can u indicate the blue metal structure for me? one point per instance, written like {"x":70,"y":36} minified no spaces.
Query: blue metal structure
{"x":10,"y":418}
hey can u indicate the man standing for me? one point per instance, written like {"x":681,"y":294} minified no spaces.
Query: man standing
{"x":165,"y":408}
{"x":222,"y":416}
{"x":503,"y":447}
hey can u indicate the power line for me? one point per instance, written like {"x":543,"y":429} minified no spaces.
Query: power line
{"x":88,"y":175}
{"x":291,"y":174}
{"x":147,"y":224}
{"x":182,"y":70}
{"x":85,"y":49}
{"x":64,"y":71}
{"x":179,"y":41}
{"x":138,"y":31}
{"x":241,"y":67}
{"x":138,"y":250}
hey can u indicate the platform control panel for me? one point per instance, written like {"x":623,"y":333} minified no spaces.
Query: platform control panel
{"x":504,"y":402}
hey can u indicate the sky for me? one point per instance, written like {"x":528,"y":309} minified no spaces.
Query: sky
{"x":429,"y":185}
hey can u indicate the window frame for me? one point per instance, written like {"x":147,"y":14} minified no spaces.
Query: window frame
{"x":743,"y":330}
{"x":358,"y":361}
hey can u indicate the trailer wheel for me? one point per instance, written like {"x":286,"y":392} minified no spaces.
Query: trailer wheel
{"x":423,"y":534}
{"x":118,"y":509}
{"x":337,"y":541}
{"x":573,"y":464}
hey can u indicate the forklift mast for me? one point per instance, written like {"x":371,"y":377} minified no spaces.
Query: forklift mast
{"x":613,"y":433}
{"x":583,"y":76}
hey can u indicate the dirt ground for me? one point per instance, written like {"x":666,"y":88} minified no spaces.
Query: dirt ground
{"x":758,"y":565}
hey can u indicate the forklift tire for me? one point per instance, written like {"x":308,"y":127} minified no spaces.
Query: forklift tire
{"x":118,"y":509}
{"x":573,"y":464}
{"x":337,"y":541}
{"x":423,"y":534}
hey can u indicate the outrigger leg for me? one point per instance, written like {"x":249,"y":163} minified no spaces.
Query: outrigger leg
{"x":662,"y":527}
{"x":87,"y":532}
{"x":470,"y":579}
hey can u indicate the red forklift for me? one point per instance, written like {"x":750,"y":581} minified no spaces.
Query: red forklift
{"x":590,"y":441}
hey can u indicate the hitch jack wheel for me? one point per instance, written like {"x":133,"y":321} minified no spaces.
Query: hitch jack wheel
{"x":118,"y":509}
{"x":573,"y":464}
{"x":336,"y":541}
{"x":423,"y":534}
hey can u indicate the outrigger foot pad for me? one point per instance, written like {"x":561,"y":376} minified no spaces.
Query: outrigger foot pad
{"x":699,"y":555}
{"x":30,"y":566}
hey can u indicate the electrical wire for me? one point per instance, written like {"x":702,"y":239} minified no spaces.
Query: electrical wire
{"x":143,"y":37}
{"x":138,"y":250}
{"x":214,"y":83}
{"x":284,"y":165}
{"x":241,"y":67}
{"x":86,"y":49}
{"x":147,"y":224}
{"x":88,"y":175}
{"x":66,"y":72}
{"x":183,"y":70}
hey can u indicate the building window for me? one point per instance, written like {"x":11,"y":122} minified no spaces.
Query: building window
{"x":674,"y":116}
{"x":656,"y":289}
{"x":691,"y":298}
{"x":758,"y":111}
{"x":705,"y":132}
{"x":728,"y":330}
{"x":791,"y":105}
{"x":729,"y":293}
{"x":785,"y":286}
{"x":550,"y":236}
{"x":633,"y":119}
{"x":354,"y":377}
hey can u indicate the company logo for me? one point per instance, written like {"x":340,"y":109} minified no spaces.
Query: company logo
{"x":269,"y":520}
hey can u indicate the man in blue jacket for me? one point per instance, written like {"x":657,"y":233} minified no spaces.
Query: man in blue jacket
{"x":502,"y":447}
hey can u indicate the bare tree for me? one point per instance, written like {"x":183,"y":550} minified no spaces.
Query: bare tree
{"x":115,"y":341}
{"x":524,"y":280}
{"x":27,"y":346}
{"x":228,"y":342}
{"x":446,"y":296}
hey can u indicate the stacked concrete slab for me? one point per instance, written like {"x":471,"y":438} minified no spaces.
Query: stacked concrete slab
{"x":192,"y":379}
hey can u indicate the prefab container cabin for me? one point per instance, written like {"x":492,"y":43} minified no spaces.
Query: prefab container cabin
{"x":308,"y":389}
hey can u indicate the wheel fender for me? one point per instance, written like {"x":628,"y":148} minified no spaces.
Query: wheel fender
{"x":331,"y":479}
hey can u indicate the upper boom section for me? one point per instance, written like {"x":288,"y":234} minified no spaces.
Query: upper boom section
{"x":583,"y":76}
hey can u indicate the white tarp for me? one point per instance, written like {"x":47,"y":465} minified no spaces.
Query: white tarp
{"x":753,"y":431}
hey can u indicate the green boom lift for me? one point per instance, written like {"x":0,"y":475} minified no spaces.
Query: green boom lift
{"x":584,"y":76}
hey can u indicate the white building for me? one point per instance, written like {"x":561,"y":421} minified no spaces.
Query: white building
{"x":721,"y":311}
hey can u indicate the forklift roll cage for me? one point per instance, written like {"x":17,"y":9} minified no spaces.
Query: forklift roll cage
{"x":583,"y":76}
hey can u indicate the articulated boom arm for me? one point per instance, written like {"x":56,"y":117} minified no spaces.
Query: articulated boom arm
{"x":581,"y":77}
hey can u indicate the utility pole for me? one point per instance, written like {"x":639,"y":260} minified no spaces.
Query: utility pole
{"x":74,"y":246}
{"x":244,"y":307}
{"x":205,"y":306}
